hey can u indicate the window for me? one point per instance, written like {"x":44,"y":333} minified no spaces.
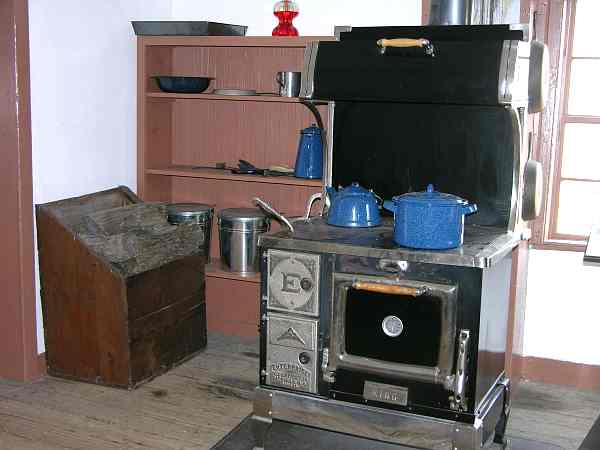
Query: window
{"x":573,"y":203}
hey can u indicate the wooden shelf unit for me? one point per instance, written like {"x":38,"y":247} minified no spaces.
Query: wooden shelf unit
{"x":177,"y":132}
{"x":215,"y":270}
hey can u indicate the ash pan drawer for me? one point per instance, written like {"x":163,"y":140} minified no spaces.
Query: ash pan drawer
{"x":292,"y":332}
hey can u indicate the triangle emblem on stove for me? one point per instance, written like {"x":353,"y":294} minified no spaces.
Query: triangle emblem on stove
{"x":291,"y":335}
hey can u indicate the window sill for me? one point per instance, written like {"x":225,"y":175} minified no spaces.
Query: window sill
{"x":566,"y":246}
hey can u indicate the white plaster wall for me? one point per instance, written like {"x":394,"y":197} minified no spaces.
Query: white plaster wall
{"x":83,"y":69}
{"x":563,"y":307}
{"x":316,"y":18}
{"x":83,"y":96}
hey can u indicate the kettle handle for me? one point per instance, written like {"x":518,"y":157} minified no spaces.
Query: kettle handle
{"x":469,"y":209}
{"x":390,"y":206}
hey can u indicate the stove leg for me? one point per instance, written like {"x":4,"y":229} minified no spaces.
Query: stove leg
{"x":500,"y":432}
{"x":260,"y":430}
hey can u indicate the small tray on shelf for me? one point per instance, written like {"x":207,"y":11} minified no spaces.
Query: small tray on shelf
{"x":186,"y":28}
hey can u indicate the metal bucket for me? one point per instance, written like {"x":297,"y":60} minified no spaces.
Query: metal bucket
{"x":239,"y":229}
{"x":196,"y":213}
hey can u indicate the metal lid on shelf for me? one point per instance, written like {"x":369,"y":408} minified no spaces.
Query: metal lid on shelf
{"x":189,"y":213}
{"x":243,"y":219}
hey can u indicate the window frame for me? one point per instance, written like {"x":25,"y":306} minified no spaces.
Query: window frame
{"x":556,"y":29}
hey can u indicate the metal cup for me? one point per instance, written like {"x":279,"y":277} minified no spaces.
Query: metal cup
{"x":289,"y":83}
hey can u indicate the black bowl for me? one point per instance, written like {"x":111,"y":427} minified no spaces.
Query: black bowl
{"x":183,"y":85}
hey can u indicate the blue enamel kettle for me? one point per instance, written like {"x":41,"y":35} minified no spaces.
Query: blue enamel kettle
{"x":309,"y":160}
{"x":354,"y":207}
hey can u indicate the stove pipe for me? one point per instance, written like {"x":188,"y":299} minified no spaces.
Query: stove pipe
{"x":451,"y":12}
{"x":474,"y":12}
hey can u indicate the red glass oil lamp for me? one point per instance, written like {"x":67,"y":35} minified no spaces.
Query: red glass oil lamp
{"x":285,"y":11}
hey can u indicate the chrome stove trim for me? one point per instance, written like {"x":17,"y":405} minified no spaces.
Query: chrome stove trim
{"x":515,"y":201}
{"x":377,"y":423}
{"x":504,"y":76}
{"x":524,"y":27}
{"x":469,"y":255}
{"x":339,"y":358}
{"x":307,"y":80}
{"x":329,"y":151}
{"x":339,"y":29}
{"x":460,"y":376}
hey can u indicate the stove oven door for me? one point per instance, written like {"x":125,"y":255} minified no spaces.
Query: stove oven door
{"x":393,"y":329}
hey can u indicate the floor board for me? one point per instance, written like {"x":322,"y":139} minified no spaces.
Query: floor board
{"x":194,"y":405}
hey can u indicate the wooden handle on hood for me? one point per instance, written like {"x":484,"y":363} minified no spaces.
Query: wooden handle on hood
{"x":402,"y":43}
{"x":393,"y":289}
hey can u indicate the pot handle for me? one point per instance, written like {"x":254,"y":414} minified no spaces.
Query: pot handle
{"x":313,"y":198}
{"x":469,"y":209}
{"x":393,"y":289}
{"x":407,"y":43}
{"x":389,"y":205}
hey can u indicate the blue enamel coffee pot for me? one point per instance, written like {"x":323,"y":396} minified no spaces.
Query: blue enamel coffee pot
{"x":309,"y":160}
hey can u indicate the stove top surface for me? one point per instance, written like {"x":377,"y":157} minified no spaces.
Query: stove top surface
{"x":483,"y":246}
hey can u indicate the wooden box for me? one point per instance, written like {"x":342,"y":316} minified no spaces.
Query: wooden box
{"x":122,"y":290}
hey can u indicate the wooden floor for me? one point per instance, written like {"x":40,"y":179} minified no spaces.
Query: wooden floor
{"x":195,"y":404}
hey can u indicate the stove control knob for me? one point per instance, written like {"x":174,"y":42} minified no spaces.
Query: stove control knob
{"x":304,"y":358}
{"x":306,"y":284}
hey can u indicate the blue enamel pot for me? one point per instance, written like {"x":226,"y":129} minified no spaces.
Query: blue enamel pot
{"x":429,"y":220}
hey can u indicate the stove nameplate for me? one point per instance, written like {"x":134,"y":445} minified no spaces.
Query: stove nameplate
{"x":385,"y":393}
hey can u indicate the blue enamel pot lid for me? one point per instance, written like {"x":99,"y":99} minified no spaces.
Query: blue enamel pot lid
{"x":431,"y":197}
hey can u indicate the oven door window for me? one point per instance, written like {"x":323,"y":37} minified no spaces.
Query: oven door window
{"x":394,"y":328}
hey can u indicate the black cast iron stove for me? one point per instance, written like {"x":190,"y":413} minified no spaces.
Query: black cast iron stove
{"x":359,"y":335}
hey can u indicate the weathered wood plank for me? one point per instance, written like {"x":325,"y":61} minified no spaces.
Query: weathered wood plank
{"x":197,"y":403}
{"x":10,"y":441}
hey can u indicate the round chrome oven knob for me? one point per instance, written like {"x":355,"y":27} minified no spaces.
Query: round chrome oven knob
{"x":392,"y":326}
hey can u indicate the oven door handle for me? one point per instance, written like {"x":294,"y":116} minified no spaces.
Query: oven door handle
{"x":393,"y":289}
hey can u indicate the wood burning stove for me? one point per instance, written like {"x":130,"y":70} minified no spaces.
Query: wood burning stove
{"x":361,"y":336}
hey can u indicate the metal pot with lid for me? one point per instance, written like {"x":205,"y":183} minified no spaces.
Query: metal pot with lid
{"x":429,"y":219}
{"x":239,"y":229}
{"x":194,"y":213}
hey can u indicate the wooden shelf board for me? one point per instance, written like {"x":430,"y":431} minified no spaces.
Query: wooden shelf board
{"x":215,"y":270}
{"x":239,"y":98}
{"x":218,"y":174}
{"x":232,"y":41}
